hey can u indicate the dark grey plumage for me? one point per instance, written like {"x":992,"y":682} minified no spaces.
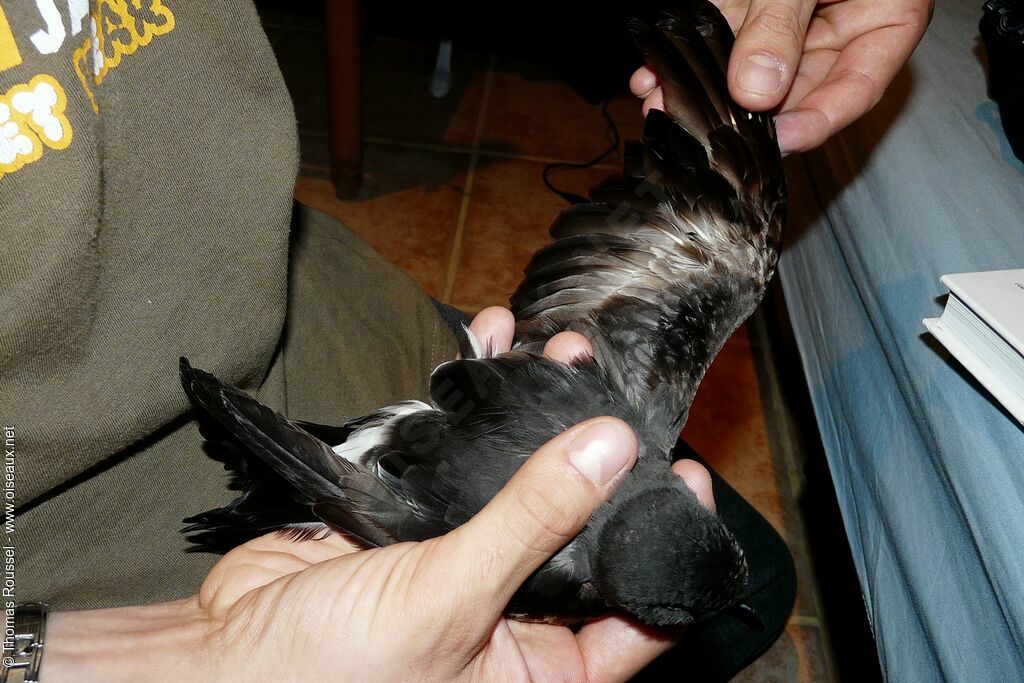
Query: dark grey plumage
{"x":657,"y":271}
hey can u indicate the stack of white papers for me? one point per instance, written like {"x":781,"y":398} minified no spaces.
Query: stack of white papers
{"x":983,"y":326}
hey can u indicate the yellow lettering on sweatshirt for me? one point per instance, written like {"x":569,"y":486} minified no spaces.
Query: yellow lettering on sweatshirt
{"x":117,"y":28}
{"x":9,"y":55}
{"x":31,"y":117}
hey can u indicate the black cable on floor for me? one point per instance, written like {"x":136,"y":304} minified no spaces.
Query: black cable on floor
{"x":572,"y":197}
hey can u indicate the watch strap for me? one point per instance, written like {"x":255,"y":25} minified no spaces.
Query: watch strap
{"x":23,"y":649}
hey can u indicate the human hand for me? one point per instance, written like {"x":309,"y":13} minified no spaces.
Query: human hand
{"x":277,"y":609}
{"x":822,"y":64}
{"x":432,"y":610}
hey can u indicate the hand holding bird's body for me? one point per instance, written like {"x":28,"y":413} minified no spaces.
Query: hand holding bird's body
{"x":429,"y":611}
{"x":435,"y":608}
{"x":656,"y":272}
{"x":458,"y":586}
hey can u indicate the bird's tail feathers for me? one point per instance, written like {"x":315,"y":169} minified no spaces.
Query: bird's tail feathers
{"x":305,"y":462}
{"x":283,"y":470}
{"x":262,"y":506}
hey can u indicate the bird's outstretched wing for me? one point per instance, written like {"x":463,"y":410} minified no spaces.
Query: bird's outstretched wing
{"x":667,"y":259}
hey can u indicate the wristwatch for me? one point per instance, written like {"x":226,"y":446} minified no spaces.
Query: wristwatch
{"x":23,"y":651}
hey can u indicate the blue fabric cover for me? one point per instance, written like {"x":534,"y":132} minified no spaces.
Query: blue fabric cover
{"x":928,"y":469}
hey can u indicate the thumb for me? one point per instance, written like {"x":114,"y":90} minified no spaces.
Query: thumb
{"x":767,"y":52}
{"x":542,"y":507}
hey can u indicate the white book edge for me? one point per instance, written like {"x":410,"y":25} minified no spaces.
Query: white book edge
{"x":1013,"y":402}
{"x":965,"y":293}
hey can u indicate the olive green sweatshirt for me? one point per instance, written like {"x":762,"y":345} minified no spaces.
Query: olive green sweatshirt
{"x":147,"y":161}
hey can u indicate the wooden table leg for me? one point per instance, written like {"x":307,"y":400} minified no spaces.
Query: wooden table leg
{"x":345,"y":96}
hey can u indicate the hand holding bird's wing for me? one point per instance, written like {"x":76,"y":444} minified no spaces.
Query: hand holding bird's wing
{"x":823,"y":64}
{"x":494,"y":327}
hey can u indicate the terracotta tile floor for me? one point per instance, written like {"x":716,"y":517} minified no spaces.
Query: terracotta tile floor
{"x":453,"y":195}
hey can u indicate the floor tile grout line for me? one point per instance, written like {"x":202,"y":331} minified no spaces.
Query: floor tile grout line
{"x":784,"y":432}
{"x":804,"y":620}
{"x":761,"y":331}
{"x":460,"y":224}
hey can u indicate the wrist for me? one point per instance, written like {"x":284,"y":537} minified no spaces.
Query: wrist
{"x":165,"y":642}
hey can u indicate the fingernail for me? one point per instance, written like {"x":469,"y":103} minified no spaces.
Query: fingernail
{"x":787,"y":125}
{"x":602,"y":450}
{"x":760,"y":74}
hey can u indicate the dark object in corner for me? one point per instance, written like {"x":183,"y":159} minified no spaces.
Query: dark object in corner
{"x":1002,"y":30}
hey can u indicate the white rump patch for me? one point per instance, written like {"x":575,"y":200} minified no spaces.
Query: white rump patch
{"x":376,"y":431}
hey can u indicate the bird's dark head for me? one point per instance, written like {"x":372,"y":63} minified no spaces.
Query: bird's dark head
{"x":666,"y":559}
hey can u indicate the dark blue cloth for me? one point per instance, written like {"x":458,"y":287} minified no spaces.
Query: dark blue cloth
{"x":452,"y":316}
